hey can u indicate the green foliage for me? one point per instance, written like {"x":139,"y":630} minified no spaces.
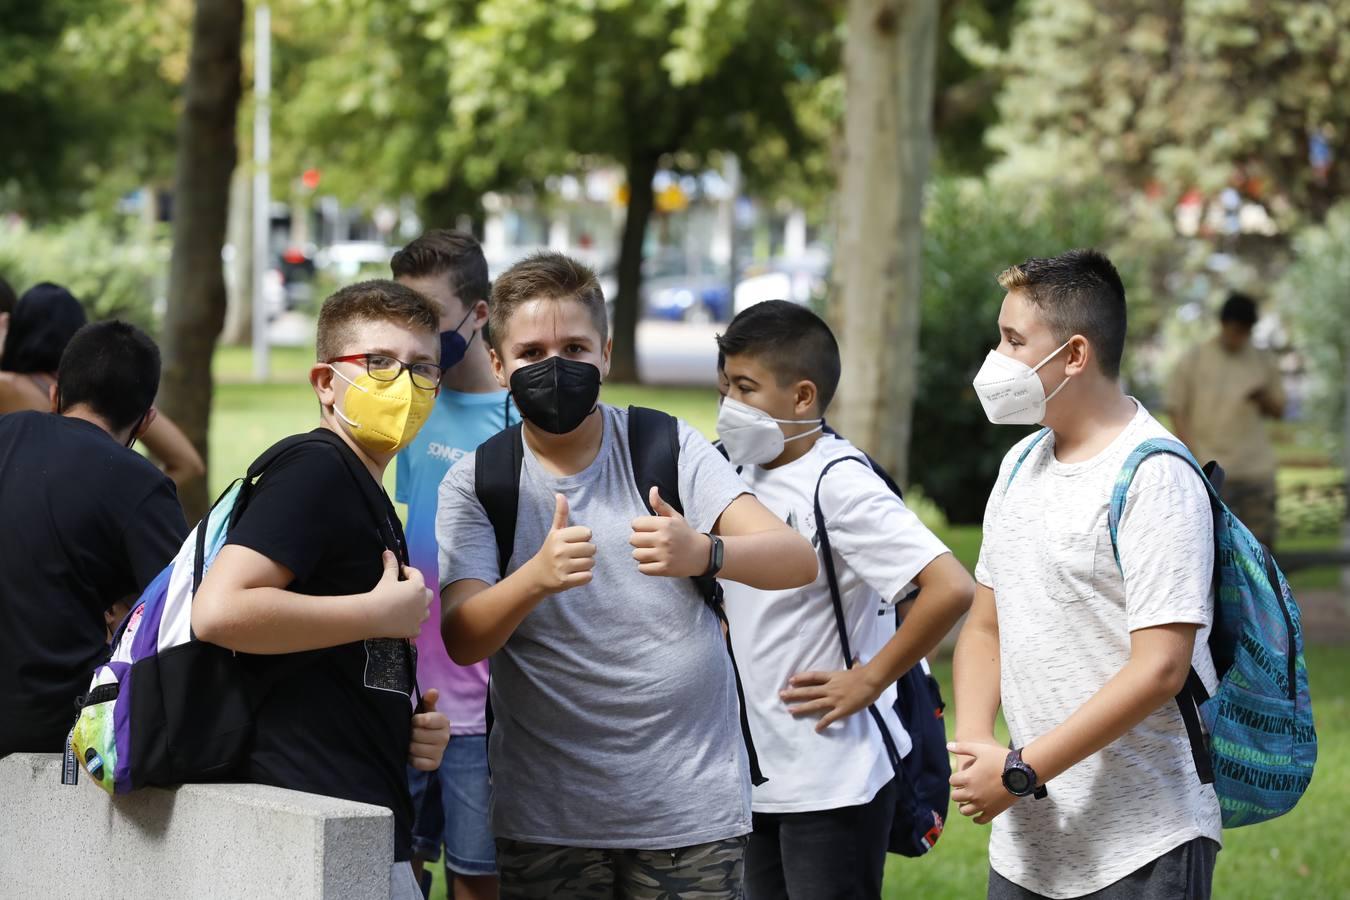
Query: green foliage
{"x":115,"y":273}
{"x":87,"y":89}
{"x":972,"y":232}
{"x":1180,"y":95}
{"x":1312,"y":296}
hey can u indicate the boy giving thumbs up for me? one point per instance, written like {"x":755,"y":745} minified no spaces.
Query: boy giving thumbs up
{"x":618,"y":762}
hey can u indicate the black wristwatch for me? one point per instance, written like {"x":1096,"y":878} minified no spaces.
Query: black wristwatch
{"x":716,"y":556}
{"x":1019,"y":778}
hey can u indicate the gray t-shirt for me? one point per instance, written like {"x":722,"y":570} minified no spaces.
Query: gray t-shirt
{"x":616,"y":719}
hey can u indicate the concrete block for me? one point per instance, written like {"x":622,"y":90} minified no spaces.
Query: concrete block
{"x":197,"y":841}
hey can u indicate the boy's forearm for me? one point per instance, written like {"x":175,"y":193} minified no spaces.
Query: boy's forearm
{"x":268,"y":620}
{"x":478,"y":625}
{"x":975,"y":683}
{"x":1133,"y":694}
{"x":934,"y":612}
{"x":772,"y":560}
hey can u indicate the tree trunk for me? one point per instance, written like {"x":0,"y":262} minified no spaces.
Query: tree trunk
{"x":628,"y":293}
{"x":889,"y":62}
{"x":206,"y":158}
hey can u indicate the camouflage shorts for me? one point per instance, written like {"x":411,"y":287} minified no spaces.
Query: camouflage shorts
{"x":711,"y":871}
{"x":1254,"y":503}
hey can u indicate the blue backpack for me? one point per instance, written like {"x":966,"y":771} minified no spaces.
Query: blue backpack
{"x":1257,"y":745}
{"x":922,"y":776}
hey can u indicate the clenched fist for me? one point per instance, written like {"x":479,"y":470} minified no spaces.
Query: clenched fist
{"x":404,"y":604}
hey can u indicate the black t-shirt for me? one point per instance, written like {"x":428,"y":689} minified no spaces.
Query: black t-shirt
{"x":337,"y":721}
{"x":84,"y":523}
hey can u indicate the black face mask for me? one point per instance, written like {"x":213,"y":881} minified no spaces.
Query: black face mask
{"x":557,"y":394}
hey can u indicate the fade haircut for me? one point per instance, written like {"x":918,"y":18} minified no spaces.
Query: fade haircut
{"x":454,"y":254}
{"x":111,"y":367}
{"x":1078,"y":292}
{"x":371,"y":301}
{"x":790,"y":341}
{"x":545,"y":275}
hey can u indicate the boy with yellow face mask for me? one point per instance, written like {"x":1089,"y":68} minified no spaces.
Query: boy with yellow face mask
{"x":316,"y":565}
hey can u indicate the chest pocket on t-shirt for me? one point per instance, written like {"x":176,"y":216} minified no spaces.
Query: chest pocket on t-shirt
{"x":1069,"y":560}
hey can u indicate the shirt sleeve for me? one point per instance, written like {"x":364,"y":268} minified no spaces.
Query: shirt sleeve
{"x":153,"y":534}
{"x":466,"y":542}
{"x":708,"y":483}
{"x":1166,"y":545}
{"x":403,"y":477}
{"x":302,"y":498}
{"x":873,"y":531}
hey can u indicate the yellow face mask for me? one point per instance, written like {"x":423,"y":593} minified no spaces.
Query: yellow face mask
{"x":384,"y":416}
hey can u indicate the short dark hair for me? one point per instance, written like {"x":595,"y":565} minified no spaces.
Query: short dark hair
{"x":545,"y":275}
{"x":378,"y":300}
{"x":1239,"y":308}
{"x":455,"y":254}
{"x":792,"y":342}
{"x":7,"y":297}
{"x":42,"y":324}
{"x":113,"y":368}
{"x":1078,"y":292}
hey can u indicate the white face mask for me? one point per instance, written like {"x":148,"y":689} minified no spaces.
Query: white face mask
{"x":752,"y":437}
{"x":1011,"y":392}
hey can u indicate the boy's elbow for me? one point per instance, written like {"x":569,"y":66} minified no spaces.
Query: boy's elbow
{"x":805,"y":564}
{"x":209,"y":623}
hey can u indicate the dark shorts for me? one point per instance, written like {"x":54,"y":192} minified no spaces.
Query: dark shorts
{"x":710,"y":871}
{"x":1184,"y":873}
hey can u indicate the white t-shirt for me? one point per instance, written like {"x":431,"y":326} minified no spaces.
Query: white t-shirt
{"x":879,"y":546}
{"x":1065,"y":614}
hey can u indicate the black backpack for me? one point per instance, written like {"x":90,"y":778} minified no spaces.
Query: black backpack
{"x":923,"y":777}
{"x":654,"y":449}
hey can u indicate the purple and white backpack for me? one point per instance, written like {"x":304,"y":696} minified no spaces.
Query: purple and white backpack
{"x":167,"y":708}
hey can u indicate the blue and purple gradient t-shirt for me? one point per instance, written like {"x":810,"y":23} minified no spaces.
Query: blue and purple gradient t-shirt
{"x":458,"y":424}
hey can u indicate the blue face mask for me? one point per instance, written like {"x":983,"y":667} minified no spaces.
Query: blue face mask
{"x":454,"y":345}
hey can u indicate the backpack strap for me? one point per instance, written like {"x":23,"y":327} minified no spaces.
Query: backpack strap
{"x":1193,"y":692}
{"x":1026,"y":452}
{"x":496,"y":482}
{"x":836,"y":599}
{"x":654,"y":450}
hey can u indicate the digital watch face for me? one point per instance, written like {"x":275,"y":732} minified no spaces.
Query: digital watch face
{"x":1017,"y":781}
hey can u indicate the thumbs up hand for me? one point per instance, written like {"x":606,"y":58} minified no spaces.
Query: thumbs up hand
{"x":665,"y":544}
{"x":567,"y":558}
{"x":430,"y":734}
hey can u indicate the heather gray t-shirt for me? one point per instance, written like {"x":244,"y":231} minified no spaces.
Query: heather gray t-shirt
{"x":616,"y":719}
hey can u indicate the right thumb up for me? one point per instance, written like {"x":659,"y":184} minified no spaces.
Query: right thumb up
{"x":560,"y":512}
{"x":392,"y":570}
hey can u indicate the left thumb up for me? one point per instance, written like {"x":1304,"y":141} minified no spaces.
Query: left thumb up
{"x":661,"y":507}
{"x":429,"y":701}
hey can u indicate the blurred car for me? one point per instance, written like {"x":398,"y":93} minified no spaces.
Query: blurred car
{"x":345,"y":260}
{"x":673,"y":290}
{"x":803,"y":279}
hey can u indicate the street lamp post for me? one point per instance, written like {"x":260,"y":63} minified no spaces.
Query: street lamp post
{"x":262,"y":202}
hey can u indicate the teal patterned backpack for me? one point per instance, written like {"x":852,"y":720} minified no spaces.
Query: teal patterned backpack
{"x":1257,"y":744}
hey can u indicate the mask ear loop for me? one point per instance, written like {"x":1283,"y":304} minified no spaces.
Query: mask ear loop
{"x":1056,"y":391}
{"x":795,"y":437}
